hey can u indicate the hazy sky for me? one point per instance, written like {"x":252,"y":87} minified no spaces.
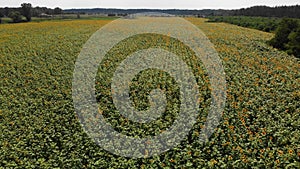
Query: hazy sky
{"x":160,"y":4}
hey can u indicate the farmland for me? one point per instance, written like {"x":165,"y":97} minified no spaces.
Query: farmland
{"x":39,"y":128}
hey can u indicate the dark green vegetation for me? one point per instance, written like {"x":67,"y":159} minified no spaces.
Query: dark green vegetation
{"x":260,"y":23}
{"x":15,"y":16}
{"x":287,"y":37}
{"x":286,"y":31}
{"x":264,"y":11}
{"x":39,"y":128}
{"x":28,"y":12}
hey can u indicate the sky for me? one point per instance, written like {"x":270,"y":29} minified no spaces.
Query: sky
{"x":152,"y":4}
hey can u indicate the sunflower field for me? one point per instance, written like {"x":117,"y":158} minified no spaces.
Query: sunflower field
{"x":260,"y":125}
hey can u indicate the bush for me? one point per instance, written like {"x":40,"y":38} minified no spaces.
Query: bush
{"x":15,"y":16}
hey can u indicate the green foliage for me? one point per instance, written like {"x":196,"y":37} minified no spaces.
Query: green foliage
{"x":261,"y":23}
{"x":27,"y":11}
{"x":15,"y":16}
{"x":286,"y":30}
{"x":287,"y":37}
{"x":293,"y":45}
{"x":57,"y":11}
{"x":265,"y":11}
{"x":1,"y":15}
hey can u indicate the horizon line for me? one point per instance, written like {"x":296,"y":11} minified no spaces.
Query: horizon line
{"x":204,"y":8}
{"x":149,"y":8}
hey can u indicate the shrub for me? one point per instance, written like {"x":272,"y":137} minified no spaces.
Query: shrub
{"x":15,"y":16}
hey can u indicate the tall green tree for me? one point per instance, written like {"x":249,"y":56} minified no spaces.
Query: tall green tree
{"x":282,"y":33}
{"x":27,"y":11}
{"x":57,"y":11}
{"x":294,"y":43}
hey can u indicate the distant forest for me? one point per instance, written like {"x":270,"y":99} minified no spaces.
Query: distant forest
{"x":264,"y":11}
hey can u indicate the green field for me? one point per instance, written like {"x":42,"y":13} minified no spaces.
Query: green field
{"x":39,"y":128}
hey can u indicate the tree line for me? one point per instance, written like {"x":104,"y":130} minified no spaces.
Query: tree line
{"x":265,"y":11}
{"x":286,"y":30}
{"x":266,"y":24}
{"x":287,"y":37}
{"x":27,"y":11}
{"x":134,"y":11}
